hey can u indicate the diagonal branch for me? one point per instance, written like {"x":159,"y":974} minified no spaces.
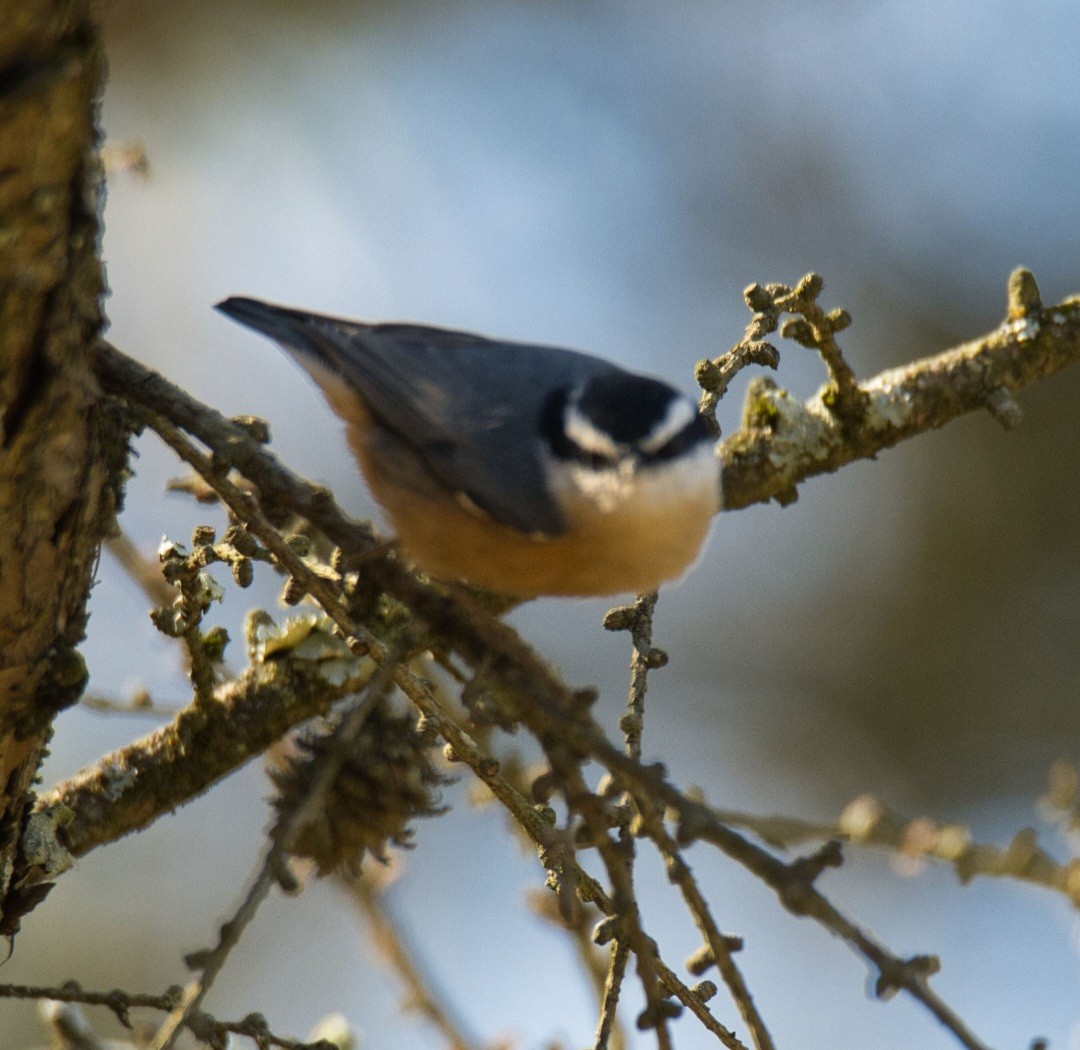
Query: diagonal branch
{"x":131,"y":787}
{"x":868,"y":822}
{"x":284,"y":838}
{"x":783,"y":442}
{"x":391,"y":943}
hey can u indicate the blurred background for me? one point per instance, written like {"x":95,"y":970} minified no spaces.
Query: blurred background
{"x":610,"y":176}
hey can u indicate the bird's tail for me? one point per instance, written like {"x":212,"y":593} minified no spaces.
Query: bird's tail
{"x":304,"y":334}
{"x":283,"y":325}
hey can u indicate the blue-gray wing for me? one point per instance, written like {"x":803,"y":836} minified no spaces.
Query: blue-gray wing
{"x":455,"y":412}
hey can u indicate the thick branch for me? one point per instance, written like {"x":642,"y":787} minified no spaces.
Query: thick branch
{"x":131,"y":787}
{"x":783,"y":441}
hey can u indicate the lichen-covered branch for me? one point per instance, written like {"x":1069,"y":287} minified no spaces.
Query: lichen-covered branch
{"x":130,"y":788}
{"x":782,"y":441}
{"x":285,"y":835}
{"x":61,"y":457}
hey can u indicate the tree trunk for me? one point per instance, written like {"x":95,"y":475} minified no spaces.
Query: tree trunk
{"x":56,"y":497}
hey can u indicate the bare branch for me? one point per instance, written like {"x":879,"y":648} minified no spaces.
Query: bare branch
{"x":402,"y":957}
{"x":594,"y":962}
{"x":146,"y":573}
{"x":607,"y":1025}
{"x":638,"y":620}
{"x":781,"y":443}
{"x":718,"y":949}
{"x":202,"y":1025}
{"x":868,"y":822}
{"x":715,"y":376}
{"x":793,"y":883}
{"x":648,"y":821}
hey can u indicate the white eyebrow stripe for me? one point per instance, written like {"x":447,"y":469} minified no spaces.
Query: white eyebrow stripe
{"x":680,"y":413}
{"x":588,"y":437}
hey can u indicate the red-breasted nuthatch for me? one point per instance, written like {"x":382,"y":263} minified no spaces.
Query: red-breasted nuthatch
{"x":524,"y":469}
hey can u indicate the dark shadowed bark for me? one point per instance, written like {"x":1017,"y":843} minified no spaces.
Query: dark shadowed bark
{"x":55,"y":500}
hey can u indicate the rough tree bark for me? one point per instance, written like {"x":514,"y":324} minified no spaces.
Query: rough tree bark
{"x":56,"y":493}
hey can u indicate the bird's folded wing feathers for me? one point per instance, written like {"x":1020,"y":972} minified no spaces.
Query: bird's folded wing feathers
{"x":465,"y":407}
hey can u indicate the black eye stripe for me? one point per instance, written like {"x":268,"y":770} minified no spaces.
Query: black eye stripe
{"x":695,"y":432}
{"x":553,"y":430}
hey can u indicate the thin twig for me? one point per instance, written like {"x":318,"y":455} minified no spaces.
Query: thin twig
{"x":546,"y":716}
{"x":232,"y":444}
{"x":392,"y":944}
{"x":139,"y":704}
{"x":792,"y":883}
{"x":715,"y":376}
{"x":695,"y":1002}
{"x":718,"y":948}
{"x":286,"y":834}
{"x":607,"y":1025}
{"x":625,"y":922}
{"x":247,"y":509}
{"x":594,"y":962}
{"x":202,"y":1025}
{"x":638,"y":619}
{"x":144,"y":571}
{"x":868,"y":822}
{"x":817,"y":329}
{"x":554,"y":851}
{"x":782,"y":443}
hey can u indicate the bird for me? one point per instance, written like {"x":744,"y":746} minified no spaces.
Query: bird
{"x":523,"y":469}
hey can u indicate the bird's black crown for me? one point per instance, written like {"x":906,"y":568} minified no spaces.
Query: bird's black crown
{"x":627,"y":414}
